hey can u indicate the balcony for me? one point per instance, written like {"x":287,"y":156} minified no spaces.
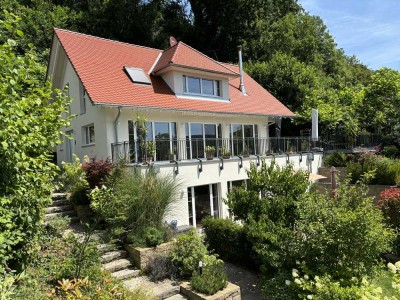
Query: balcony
{"x":165,"y":150}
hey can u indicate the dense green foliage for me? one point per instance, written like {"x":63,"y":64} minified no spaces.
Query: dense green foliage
{"x":270,"y":220}
{"x":340,"y":238}
{"x":336,"y":159}
{"x":213,"y":277}
{"x":229,"y":240}
{"x":52,"y":274}
{"x":30,"y":123}
{"x":386,"y":170}
{"x":188,"y":250}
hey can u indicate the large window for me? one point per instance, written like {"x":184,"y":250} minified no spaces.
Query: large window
{"x":244,"y":139}
{"x":201,"y":86}
{"x":163,"y":136}
{"x":88,"y":135}
{"x":198,"y":136}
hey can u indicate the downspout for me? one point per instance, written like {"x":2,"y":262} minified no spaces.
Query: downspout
{"x":241,"y":87}
{"x":116,"y":122}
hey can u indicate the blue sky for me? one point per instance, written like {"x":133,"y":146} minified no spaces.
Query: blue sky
{"x":368,"y":29}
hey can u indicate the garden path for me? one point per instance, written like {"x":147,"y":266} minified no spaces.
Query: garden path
{"x":249,"y":282}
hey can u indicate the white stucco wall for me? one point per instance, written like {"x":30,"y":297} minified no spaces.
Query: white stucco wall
{"x":94,"y":115}
{"x":189,"y":176}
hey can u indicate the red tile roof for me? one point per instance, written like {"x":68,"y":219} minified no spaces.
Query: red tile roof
{"x":185,"y":56}
{"x":99,"y":64}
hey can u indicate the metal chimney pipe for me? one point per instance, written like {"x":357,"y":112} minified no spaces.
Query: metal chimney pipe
{"x":242,"y":88}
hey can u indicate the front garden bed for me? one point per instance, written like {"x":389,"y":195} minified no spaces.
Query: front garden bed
{"x":143,"y":256}
{"x":230,"y":292}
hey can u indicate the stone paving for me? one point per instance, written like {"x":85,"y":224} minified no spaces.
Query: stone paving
{"x":249,"y":282}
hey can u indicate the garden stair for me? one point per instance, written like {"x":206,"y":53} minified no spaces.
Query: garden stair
{"x":117,"y":262}
{"x":60,"y":207}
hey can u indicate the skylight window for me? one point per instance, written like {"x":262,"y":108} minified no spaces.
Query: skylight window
{"x":137,"y":75}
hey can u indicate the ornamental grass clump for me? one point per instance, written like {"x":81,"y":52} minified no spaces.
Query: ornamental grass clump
{"x":133,"y":201}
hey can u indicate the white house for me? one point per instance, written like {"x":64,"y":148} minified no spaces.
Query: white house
{"x":191,"y":102}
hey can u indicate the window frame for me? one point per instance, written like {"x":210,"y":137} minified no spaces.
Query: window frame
{"x":82,"y":98}
{"x":216,"y":86}
{"x":86,"y":137}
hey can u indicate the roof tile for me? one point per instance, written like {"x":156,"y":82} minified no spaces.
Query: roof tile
{"x":99,"y":64}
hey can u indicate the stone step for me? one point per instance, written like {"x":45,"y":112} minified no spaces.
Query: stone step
{"x":59,"y":202}
{"x":126,"y":274}
{"x":117,"y":265}
{"x":70,"y":213}
{"x":103,"y":248}
{"x":166,"y":290}
{"x":161,"y":290}
{"x":58,"y":196}
{"x":177,"y":297}
{"x":112,"y":255}
{"x":58,"y":208}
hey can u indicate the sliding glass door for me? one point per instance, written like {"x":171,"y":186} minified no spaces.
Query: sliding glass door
{"x":199,"y":136}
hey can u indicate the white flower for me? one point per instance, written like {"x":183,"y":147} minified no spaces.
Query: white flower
{"x":297,"y":281}
{"x":306,"y":277}
{"x":287,"y":282}
{"x":309,"y":297}
{"x":391,"y":267}
{"x":295,"y":273}
{"x":397,"y":264}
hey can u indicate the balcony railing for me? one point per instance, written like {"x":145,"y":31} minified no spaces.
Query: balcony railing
{"x":162,"y":149}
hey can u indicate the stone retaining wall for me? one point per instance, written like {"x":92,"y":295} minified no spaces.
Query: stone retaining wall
{"x":142,"y":256}
{"x":231,"y":292}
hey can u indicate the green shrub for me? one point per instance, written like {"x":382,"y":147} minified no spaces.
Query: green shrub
{"x":391,"y":151}
{"x":161,"y":267}
{"x":269,"y":220}
{"x":213,"y":277}
{"x":153,"y":236}
{"x":228,"y":239}
{"x":343,"y":236}
{"x":30,"y":129}
{"x":386,"y":169}
{"x":73,"y":179}
{"x":186,"y":253}
{"x":336,"y":159}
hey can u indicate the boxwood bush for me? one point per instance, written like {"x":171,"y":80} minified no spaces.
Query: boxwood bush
{"x":229,"y":240}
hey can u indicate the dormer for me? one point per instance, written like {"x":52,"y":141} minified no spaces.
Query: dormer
{"x":191,"y":74}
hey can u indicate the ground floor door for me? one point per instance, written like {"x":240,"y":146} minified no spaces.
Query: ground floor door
{"x":203,"y":201}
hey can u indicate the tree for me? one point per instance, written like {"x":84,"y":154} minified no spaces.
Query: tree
{"x":268,"y":208}
{"x":30,"y":123}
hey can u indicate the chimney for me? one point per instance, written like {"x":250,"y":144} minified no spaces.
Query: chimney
{"x":242,"y":88}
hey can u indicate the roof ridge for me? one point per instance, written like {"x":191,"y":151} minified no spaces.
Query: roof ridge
{"x":217,"y":62}
{"x":104,"y":39}
{"x":176,"y":50}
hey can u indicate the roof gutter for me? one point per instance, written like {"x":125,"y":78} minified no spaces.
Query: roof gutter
{"x":119,"y":106}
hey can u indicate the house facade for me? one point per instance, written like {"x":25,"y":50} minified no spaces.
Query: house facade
{"x":206,"y":121}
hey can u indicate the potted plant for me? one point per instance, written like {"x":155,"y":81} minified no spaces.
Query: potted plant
{"x":142,"y":131}
{"x":172,"y":156}
{"x":151,"y":150}
{"x":209,"y":150}
{"x":224,"y":152}
{"x":245,"y":152}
